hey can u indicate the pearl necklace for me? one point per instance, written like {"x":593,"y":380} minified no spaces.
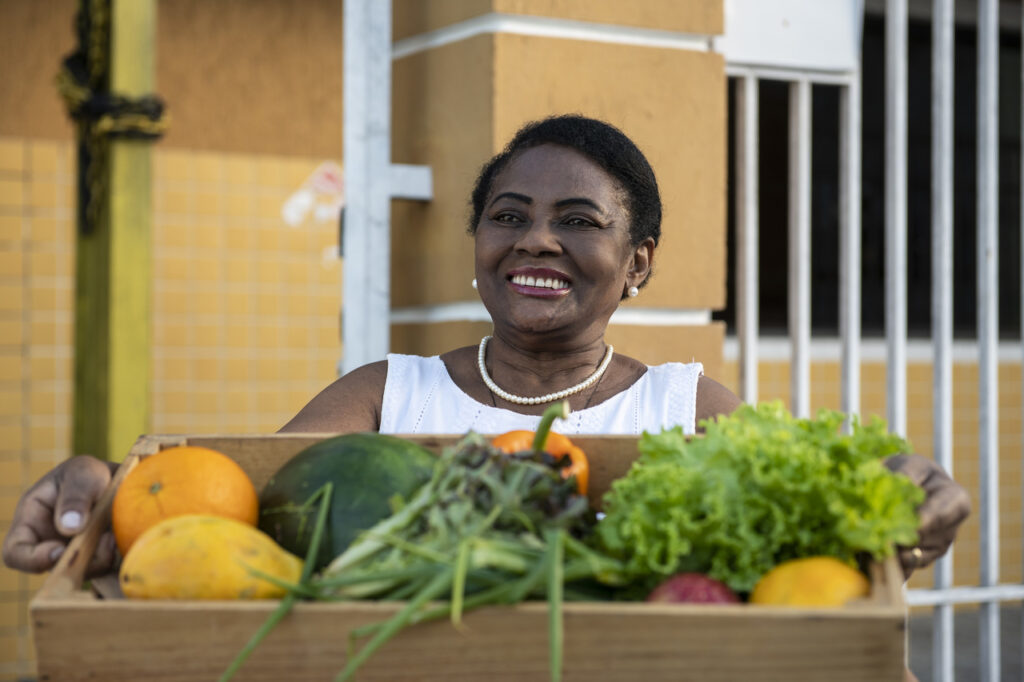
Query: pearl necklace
{"x":541,"y":399}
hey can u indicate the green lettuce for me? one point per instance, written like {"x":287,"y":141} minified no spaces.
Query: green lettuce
{"x":760,"y":487}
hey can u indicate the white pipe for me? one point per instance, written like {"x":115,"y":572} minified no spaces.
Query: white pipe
{"x":747,"y":285}
{"x":965,"y":595}
{"x":850,"y":246}
{"x":988,"y":326}
{"x":778,"y":73}
{"x":366,"y":243}
{"x":800,"y":246}
{"x":896,"y":213}
{"x":942,"y":305}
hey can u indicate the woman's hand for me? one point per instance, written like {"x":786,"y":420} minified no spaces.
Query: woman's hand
{"x":945,"y":507}
{"x":52,"y":511}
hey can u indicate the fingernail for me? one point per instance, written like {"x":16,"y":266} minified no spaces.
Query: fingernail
{"x":71,"y":520}
{"x":56,"y":552}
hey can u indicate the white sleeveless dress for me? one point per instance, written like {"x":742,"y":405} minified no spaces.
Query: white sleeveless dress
{"x":420,"y":397}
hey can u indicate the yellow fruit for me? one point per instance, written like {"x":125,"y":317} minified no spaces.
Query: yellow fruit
{"x":814,"y":581}
{"x":205,"y":557}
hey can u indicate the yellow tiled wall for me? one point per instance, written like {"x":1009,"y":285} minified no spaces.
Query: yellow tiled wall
{"x":773,"y":384}
{"x":36,"y":270}
{"x":246,"y":307}
{"x":245,"y":315}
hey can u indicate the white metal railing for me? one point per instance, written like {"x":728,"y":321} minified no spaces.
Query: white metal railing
{"x":896,"y":213}
{"x":988,"y":332}
{"x":942,"y":308}
{"x":989,"y":593}
{"x":800,"y":244}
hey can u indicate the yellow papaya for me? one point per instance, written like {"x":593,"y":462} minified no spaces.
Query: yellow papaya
{"x":205,"y":557}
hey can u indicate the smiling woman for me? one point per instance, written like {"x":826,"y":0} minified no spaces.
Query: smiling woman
{"x":566,"y":222}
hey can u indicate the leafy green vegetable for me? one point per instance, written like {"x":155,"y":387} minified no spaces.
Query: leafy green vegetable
{"x":759,"y":488}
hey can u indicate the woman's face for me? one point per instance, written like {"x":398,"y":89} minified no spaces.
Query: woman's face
{"x":553,"y":253}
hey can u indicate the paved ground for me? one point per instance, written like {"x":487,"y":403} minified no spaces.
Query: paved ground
{"x":965,"y":634}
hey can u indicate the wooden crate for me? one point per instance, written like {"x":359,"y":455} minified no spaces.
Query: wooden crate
{"x":79,"y":636}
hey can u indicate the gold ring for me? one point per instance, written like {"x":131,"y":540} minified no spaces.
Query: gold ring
{"x":918,"y":555}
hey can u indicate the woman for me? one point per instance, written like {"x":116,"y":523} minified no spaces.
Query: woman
{"x":566,"y":221}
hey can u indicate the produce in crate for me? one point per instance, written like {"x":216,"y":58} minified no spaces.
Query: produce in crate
{"x":556,"y":445}
{"x":368,"y":471}
{"x":812,"y":581}
{"x":206,"y":557}
{"x":492,"y":528}
{"x":181,"y":480}
{"x":759,"y":488}
{"x":693,"y":588}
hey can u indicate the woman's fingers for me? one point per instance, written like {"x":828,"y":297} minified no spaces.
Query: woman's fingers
{"x":24,"y":551}
{"x":80,"y":482}
{"x":33,"y":544}
{"x":945,"y":507}
{"x":52,"y":511}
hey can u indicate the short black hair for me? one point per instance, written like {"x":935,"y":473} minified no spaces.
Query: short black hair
{"x":601,"y":142}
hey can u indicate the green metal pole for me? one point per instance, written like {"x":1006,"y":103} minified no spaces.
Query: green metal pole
{"x":113,"y":297}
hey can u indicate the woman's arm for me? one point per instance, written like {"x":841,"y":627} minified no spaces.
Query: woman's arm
{"x":713,"y":400}
{"x":351,"y":404}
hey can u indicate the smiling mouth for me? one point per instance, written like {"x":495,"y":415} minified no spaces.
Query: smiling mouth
{"x":540,"y":282}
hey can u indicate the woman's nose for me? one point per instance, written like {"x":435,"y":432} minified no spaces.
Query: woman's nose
{"x":538,"y":238}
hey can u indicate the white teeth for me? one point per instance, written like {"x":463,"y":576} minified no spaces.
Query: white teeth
{"x":549,"y":283}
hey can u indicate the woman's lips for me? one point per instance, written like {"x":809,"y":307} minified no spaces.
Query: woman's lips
{"x":539,"y":283}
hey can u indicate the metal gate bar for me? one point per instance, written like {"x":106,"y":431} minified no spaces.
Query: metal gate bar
{"x":942,"y":305}
{"x":800,"y":246}
{"x":896,"y":214}
{"x":850,"y":244}
{"x":988,"y":331}
{"x":747,"y":270}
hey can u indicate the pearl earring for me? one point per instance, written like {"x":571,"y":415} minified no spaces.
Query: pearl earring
{"x":633,"y":292}
{"x":474,"y":282}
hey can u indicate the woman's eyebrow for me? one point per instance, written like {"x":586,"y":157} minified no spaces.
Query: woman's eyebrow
{"x":513,"y":195}
{"x":575,"y":201}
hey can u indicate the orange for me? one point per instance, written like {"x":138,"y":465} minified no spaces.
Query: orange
{"x":814,"y":581}
{"x":181,"y":480}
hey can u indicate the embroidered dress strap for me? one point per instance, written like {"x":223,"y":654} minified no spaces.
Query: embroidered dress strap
{"x":674,"y":386}
{"x":412,"y":381}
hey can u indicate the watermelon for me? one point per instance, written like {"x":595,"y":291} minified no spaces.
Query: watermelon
{"x":367,"y":469}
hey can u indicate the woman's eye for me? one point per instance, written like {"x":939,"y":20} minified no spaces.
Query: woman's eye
{"x":579,"y":221}
{"x":507,"y":218}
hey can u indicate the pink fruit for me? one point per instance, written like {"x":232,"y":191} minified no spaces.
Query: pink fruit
{"x":693,"y":588}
